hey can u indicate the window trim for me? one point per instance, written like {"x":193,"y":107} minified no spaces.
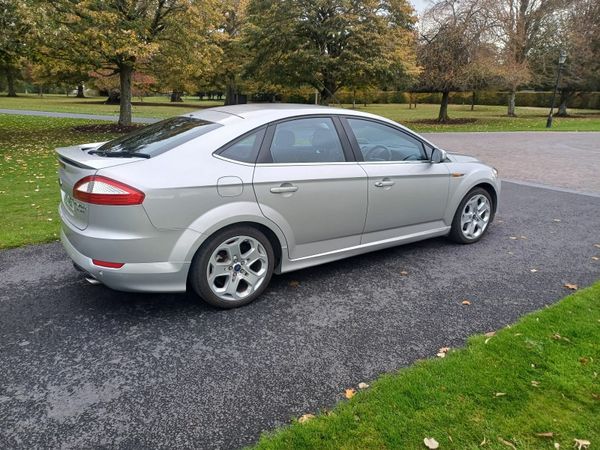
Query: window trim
{"x":259,"y":142}
{"x":265,"y":158}
{"x":356,"y":147}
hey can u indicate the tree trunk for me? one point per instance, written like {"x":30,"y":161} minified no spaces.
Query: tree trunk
{"x":125,"y":73}
{"x":328,"y":91}
{"x":443,"y":115}
{"x":176,"y":96}
{"x":80,"y":93}
{"x":564,"y":100}
{"x":473,"y":99}
{"x":230,"y":92}
{"x":10,"y":80}
{"x":511,"y":103}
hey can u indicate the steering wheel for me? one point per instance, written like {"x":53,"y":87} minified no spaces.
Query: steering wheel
{"x":378,"y":153}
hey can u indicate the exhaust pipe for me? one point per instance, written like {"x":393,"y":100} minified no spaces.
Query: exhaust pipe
{"x":90,"y":279}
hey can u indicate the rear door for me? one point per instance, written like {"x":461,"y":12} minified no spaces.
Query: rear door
{"x":308,"y":184}
{"x":407,"y":193}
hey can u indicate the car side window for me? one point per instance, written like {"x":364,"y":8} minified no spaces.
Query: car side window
{"x":306,"y":141}
{"x":244,"y":149}
{"x":380,"y":142}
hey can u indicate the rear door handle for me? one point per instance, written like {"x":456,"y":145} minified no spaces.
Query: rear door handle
{"x":384,"y":183}
{"x":283,"y":189}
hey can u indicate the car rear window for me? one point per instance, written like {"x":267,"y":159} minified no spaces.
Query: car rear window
{"x":159,"y":137}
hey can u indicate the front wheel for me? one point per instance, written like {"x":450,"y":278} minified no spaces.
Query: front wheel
{"x":233,"y":268}
{"x":472,"y":217}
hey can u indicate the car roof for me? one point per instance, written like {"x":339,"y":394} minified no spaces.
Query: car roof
{"x":269,"y":112}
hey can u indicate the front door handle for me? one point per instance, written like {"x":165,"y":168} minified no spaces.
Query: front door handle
{"x":284,"y":188}
{"x":384,"y":183}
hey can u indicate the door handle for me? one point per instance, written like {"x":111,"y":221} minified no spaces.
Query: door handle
{"x":384,"y":183}
{"x":283,"y":189}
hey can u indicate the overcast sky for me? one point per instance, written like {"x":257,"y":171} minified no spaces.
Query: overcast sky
{"x":419,"y":5}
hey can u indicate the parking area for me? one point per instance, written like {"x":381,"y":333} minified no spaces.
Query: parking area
{"x":84,"y":366}
{"x":569,"y":160}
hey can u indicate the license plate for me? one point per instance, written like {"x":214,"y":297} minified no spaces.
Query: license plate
{"x":73,"y":206}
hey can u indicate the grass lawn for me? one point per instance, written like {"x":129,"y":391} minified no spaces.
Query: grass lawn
{"x":484,"y":118}
{"x":154,"y":107}
{"x":539,"y":376}
{"x":29,"y":193}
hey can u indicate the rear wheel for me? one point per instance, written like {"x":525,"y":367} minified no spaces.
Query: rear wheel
{"x":233,"y":268}
{"x":472,"y":217}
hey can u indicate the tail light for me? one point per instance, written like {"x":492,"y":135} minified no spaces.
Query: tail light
{"x":101,"y":190}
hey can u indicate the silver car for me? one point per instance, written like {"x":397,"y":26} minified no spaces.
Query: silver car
{"x":220,"y":199}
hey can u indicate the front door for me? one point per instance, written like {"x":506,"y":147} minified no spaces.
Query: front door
{"x":407,"y":193}
{"x":305,"y":183}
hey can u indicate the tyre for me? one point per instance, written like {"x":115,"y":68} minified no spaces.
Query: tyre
{"x":233,"y":267}
{"x":472,"y":218}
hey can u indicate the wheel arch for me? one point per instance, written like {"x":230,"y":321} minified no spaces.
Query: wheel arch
{"x":270,"y":234}
{"x":490,"y":190}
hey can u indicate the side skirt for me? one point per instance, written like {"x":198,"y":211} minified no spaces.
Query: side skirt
{"x":288,"y":265}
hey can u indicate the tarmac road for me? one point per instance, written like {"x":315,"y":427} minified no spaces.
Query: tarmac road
{"x":84,"y":366}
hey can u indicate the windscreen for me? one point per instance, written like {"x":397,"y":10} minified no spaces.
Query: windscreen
{"x":159,"y":137}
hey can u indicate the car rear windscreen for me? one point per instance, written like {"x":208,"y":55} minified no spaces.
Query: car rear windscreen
{"x":159,"y":137}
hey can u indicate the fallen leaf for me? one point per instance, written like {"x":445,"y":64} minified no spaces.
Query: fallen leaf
{"x":442,"y":352}
{"x":571,"y":286}
{"x":499,"y":394}
{"x":483,"y":442}
{"x":431,"y":443}
{"x":556,"y":337}
{"x":533,"y":270}
{"x":466,"y":302}
{"x":581,"y":444}
{"x":514,"y":238}
{"x":597,"y":245}
{"x":306,"y":418}
{"x":294,"y":283}
{"x":404,"y":273}
{"x":556,"y":445}
{"x":583,"y":360}
{"x":547,"y":434}
{"x":535,"y":383}
{"x":349,"y":393}
{"x":555,"y":220}
{"x":507,"y":443}
{"x":595,"y":258}
{"x":490,"y":334}
{"x":363,"y":385}
{"x":523,"y":237}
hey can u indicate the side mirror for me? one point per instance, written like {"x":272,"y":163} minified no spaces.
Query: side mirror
{"x":437,"y":155}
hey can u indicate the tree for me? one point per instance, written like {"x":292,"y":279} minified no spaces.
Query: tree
{"x":124,"y":35}
{"x":520,"y":25}
{"x":16,"y":31}
{"x":578,"y":33}
{"x":453,"y":52}
{"x":329,"y":44}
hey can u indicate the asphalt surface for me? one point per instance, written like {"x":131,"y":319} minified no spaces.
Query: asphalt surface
{"x":569,"y":160}
{"x":83,"y":366}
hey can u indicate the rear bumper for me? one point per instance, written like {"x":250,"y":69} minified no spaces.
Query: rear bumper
{"x":132,"y":277}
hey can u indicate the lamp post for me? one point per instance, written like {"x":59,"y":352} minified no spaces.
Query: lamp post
{"x":562,"y":57}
